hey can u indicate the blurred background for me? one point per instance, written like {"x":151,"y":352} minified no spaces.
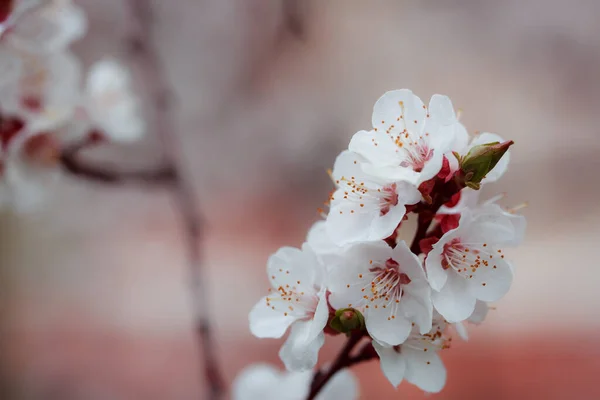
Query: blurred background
{"x":93,"y":289}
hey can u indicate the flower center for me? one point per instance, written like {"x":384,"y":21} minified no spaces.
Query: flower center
{"x":388,"y":199}
{"x":468,"y":258}
{"x":293,"y":301}
{"x":9,"y":128}
{"x":386,"y":284}
{"x":417,"y":152}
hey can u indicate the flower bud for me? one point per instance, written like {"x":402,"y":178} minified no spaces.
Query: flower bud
{"x":480,"y":160}
{"x":347,"y":320}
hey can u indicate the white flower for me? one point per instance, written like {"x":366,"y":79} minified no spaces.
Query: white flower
{"x":467,"y":264}
{"x":49,"y":28}
{"x":47,"y":91}
{"x":110,"y":103}
{"x":409,"y":140}
{"x":10,"y":68}
{"x":387,"y":285}
{"x":478,"y":316}
{"x":365,"y":208}
{"x":27,"y":167}
{"x":319,"y":241}
{"x":263,"y":382}
{"x":417,"y":359}
{"x":297,"y":298}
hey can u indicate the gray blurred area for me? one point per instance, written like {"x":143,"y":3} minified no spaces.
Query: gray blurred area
{"x":93,"y":288}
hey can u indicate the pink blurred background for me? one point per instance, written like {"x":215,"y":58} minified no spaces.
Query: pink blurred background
{"x":94,"y":289}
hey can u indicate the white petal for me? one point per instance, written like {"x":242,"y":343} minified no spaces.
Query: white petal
{"x":349,"y":223}
{"x":416,"y":305}
{"x":480,"y":312}
{"x":321,"y":316}
{"x":383,"y":226}
{"x":268,"y":323}
{"x":377,"y":147}
{"x":10,"y":67}
{"x":255,"y":382}
{"x":318,"y":239}
{"x":343,"y":385}
{"x":433,"y":166}
{"x":424,"y":369}
{"x":49,"y":29}
{"x":298,"y":353}
{"x":407,"y":192}
{"x":392,"y":364}
{"x":345,"y":284}
{"x":468,"y":199}
{"x":385,"y":329}
{"x":491,"y":282}
{"x":442,"y":110}
{"x":461,"y":329}
{"x":397,"y":110}
{"x":392,"y":173}
{"x":289,"y":265}
{"x":435,"y":272}
{"x":455,"y":302}
{"x":408,"y":262}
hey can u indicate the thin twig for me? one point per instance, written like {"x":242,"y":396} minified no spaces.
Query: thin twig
{"x":72,"y":163}
{"x":141,"y":42}
{"x":343,"y":360}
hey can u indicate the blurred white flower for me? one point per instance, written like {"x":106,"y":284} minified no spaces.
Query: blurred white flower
{"x":417,"y":359}
{"x":298,"y":299}
{"x":364,"y":207}
{"x":387,"y":285}
{"x":467,"y":264}
{"x":110,"y":104}
{"x":47,"y":29}
{"x":263,"y":382}
{"x":408,"y":140}
{"x":46,"y":93}
{"x":27,"y":167}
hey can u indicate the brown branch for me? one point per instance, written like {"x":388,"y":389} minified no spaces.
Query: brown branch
{"x":141,"y":42}
{"x":442,"y":193}
{"x":72,"y":163}
{"x":342,"y":361}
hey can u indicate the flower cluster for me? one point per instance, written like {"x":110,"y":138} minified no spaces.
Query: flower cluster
{"x":354,"y":276}
{"x":44,"y":104}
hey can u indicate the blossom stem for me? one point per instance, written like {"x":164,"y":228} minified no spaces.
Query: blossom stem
{"x":71,"y":163}
{"x":343,"y":360}
{"x":441,"y":194}
{"x":186,"y":200}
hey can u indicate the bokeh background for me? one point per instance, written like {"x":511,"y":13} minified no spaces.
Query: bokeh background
{"x":93,"y":289}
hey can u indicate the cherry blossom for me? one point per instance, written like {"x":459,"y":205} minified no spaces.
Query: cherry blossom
{"x":408,"y":140}
{"x":27,"y":166}
{"x":417,"y":359}
{"x":387,"y":285}
{"x":365,"y":208}
{"x":47,"y":92}
{"x":110,"y":104}
{"x":50,"y":27}
{"x":468,"y":264}
{"x":297,"y":299}
{"x":264,"y":382}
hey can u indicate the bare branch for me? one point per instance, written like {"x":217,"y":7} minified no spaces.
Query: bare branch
{"x":71,"y":162}
{"x":142,"y":44}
